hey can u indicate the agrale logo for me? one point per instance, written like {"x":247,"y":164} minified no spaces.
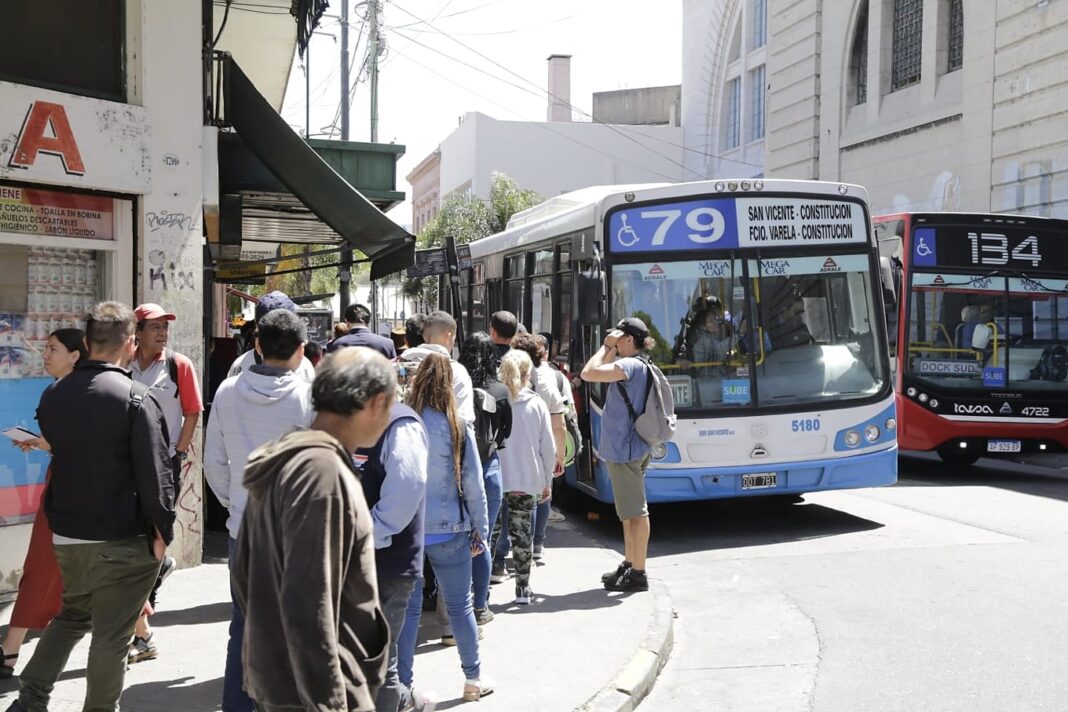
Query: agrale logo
{"x":939,"y":281}
{"x":829,"y":265}
{"x":655,"y":272}
{"x":966,"y":409}
{"x":1006,"y":409}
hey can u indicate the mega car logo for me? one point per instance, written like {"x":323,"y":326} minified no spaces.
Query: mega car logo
{"x":966,"y":409}
{"x":829,"y":265}
{"x":1030,"y":285}
{"x":714,"y":269}
{"x":981,"y":283}
{"x":774,"y":267}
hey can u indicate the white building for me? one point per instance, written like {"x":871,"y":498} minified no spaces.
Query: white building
{"x":550,"y":157}
{"x":932,"y":105}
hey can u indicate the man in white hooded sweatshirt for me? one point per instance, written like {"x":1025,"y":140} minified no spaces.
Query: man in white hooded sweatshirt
{"x":259,"y":405}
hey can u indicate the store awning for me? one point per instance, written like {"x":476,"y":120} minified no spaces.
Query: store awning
{"x":308,"y":178}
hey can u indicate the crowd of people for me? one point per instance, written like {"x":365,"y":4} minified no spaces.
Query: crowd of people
{"x":351,"y":486}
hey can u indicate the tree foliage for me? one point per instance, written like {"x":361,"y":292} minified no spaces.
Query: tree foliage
{"x":467,"y":218}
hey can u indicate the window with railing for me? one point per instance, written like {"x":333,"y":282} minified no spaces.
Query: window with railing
{"x":732,"y":136}
{"x":858,"y":59}
{"x":757,"y":103}
{"x":760,"y":24}
{"x":907,"y":43}
{"x":956,"y":35}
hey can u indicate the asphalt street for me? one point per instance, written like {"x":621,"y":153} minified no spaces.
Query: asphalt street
{"x":948,"y":591}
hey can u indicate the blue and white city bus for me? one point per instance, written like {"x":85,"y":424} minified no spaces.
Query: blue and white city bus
{"x":764,"y":300}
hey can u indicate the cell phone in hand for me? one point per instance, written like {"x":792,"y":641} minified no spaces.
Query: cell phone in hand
{"x":19,"y":434}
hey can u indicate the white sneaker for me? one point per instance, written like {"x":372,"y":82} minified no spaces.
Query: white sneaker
{"x":555,"y":515}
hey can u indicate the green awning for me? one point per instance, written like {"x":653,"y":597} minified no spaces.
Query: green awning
{"x":311,"y":180}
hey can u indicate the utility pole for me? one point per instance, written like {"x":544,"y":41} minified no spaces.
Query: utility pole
{"x":345,"y":270}
{"x":372,"y":69}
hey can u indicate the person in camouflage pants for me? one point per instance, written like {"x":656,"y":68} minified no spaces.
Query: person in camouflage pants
{"x":520,"y":533}
{"x":527,"y":462}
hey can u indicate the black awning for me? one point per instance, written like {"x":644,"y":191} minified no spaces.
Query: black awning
{"x":389,"y":246}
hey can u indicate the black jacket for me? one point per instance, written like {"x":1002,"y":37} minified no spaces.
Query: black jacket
{"x":112,"y":476}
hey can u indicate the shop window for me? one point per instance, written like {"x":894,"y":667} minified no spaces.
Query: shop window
{"x":907,"y":43}
{"x":76,"y":46}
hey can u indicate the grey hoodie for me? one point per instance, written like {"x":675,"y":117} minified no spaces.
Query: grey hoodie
{"x":250,"y":410}
{"x":304,"y":574}
{"x":461,"y":379}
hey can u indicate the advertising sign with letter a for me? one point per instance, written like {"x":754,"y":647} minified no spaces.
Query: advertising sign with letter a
{"x":62,"y":139}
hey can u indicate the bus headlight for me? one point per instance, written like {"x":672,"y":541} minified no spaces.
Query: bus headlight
{"x":732,"y":186}
{"x":758,"y":185}
{"x":872,"y":433}
{"x":852,"y":438}
{"x":890,"y":424}
{"x":745,"y":185}
{"x":659,"y":452}
{"x":720,"y":187}
{"x":923,"y":398}
{"x":933,"y":403}
{"x":911,"y":392}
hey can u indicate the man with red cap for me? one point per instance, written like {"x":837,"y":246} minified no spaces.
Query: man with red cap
{"x":172,"y":379}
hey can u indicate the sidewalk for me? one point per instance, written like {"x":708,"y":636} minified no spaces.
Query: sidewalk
{"x":552,"y":656}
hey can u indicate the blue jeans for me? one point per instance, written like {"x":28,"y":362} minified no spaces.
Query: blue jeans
{"x":394,"y":593}
{"x":452,"y":567}
{"x":541,"y":521}
{"x":482,"y":564}
{"x":234,"y":697}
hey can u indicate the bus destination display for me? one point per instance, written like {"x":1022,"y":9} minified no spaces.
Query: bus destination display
{"x":727,"y":223}
{"x":988,"y":246}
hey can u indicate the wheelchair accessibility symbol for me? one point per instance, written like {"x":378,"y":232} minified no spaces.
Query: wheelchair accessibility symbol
{"x":625,"y":236}
{"x":922,"y":249}
{"x":925,"y":249}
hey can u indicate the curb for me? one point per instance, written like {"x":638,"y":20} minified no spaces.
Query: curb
{"x":635,"y":679}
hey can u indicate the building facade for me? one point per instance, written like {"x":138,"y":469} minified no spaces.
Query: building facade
{"x":932,"y":105}
{"x":101,"y":165}
{"x":549,"y":157}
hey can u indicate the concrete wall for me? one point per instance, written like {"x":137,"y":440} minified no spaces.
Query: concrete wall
{"x":647,"y":105}
{"x":558,"y":157}
{"x":170,"y":267}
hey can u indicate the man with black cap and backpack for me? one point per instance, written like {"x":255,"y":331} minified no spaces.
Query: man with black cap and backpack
{"x":625,"y":454}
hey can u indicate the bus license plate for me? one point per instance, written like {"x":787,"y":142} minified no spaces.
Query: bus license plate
{"x":762,"y":480}
{"x":1003,"y":446}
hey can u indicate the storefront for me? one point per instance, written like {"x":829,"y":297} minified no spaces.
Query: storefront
{"x":68,"y":179}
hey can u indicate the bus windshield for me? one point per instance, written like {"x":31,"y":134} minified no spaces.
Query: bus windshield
{"x":760,"y":332}
{"x":989,"y":331}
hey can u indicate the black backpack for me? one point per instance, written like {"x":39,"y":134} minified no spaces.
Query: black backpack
{"x":1052,"y":364}
{"x":493,"y":423}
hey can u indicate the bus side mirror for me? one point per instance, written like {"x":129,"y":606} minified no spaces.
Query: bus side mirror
{"x":590,"y":296}
{"x":886,"y":273}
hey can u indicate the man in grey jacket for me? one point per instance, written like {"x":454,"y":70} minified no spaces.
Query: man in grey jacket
{"x":304,"y":569}
{"x":261,"y":404}
{"x":439,"y":335}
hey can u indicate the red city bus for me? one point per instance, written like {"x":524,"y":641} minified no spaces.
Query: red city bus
{"x":980,"y":343}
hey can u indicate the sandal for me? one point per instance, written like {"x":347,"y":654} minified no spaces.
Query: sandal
{"x":474,"y":690}
{"x":7,"y":669}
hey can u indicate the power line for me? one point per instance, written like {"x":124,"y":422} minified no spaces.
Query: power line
{"x":552,"y":96}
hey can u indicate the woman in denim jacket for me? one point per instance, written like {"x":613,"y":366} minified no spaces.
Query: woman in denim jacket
{"x":456,"y":522}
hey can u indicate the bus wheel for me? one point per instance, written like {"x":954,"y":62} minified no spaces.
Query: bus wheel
{"x":952,"y":454}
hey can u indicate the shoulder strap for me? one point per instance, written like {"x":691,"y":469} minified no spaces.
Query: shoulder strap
{"x":172,"y":369}
{"x":626,"y":399}
{"x":138,"y":391}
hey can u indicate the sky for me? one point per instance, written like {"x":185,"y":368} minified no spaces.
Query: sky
{"x":445,"y":58}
